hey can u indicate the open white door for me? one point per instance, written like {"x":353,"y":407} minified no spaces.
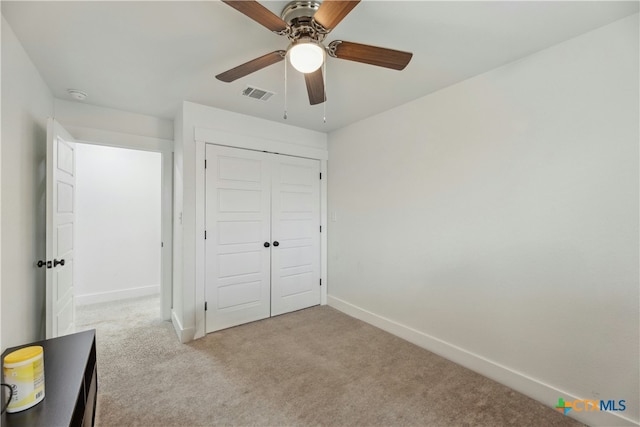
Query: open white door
{"x":61,"y":188}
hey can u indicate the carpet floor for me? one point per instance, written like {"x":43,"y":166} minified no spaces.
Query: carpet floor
{"x":312,"y":367}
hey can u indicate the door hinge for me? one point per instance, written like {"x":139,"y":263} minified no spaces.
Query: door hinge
{"x":320,"y":175}
{"x":205,"y":306}
{"x":162,"y":244}
{"x":205,"y":234}
{"x":321,"y":229}
{"x":205,"y":163}
{"x":320,"y":282}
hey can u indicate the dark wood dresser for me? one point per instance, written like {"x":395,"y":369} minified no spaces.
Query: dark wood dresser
{"x":70,"y":381}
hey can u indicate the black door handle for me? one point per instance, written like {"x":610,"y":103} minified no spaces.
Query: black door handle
{"x":56,"y":262}
{"x":266,"y":244}
{"x":276,"y":243}
{"x":47,"y":264}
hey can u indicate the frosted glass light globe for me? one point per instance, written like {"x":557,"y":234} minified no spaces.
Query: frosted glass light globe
{"x":306,"y":57}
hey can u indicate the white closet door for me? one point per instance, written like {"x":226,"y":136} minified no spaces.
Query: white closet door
{"x":238,"y":190}
{"x":295,"y":226}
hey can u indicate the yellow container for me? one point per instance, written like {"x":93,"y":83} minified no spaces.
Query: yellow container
{"x":24,"y":372}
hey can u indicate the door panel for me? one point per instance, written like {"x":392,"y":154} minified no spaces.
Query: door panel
{"x":295,"y":202}
{"x":242,"y":294}
{"x":237,"y":221}
{"x":296,"y":257}
{"x":238,"y":232}
{"x":235,"y":200}
{"x":298,"y":229}
{"x":235,"y":169}
{"x":297,"y":284}
{"x":64,"y":279}
{"x":240,"y":264}
{"x":60,"y":303}
{"x":295,"y":222}
{"x":65,"y":316}
{"x":298,"y":174}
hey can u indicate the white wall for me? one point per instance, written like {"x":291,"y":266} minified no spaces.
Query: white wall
{"x":26,"y":104}
{"x":118,"y":223}
{"x":227,"y":128}
{"x":81,"y":116}
{"x":118,"y":128}
{"x":496,"y":221}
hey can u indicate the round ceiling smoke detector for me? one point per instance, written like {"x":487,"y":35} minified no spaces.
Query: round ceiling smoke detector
{"x":77,"y":94}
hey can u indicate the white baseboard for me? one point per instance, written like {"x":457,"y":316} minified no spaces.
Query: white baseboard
{"x":544,"y":393}
{"x":99,"y":297}
{"x":184,"y":335}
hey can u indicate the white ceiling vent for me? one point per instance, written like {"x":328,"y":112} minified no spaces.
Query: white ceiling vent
{"x":255,"y":93}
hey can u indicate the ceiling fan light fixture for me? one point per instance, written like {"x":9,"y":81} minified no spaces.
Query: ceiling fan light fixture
{"x":306,"y":55}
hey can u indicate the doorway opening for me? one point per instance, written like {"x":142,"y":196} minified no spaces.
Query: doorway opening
{"x":118,"y":224}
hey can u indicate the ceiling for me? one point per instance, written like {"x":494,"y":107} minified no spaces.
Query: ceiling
{"x":148,"y":56}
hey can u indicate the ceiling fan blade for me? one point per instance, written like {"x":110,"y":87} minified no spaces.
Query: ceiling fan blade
{"x":315,"y":87}
{"x":258,"y":13}
{"x":251,"y":66}
{"x":372,"y":55}
{"x":331,"y":12}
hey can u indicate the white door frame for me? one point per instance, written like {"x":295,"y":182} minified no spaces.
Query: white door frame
{"x":165,"y":148}
{"x":203,"y":136}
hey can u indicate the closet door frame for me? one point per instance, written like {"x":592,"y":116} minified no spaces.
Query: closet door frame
{"x":205,"y":136}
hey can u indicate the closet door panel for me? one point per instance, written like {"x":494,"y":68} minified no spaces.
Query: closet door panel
{"x":238,"y":210}
{"x":295,"y":225}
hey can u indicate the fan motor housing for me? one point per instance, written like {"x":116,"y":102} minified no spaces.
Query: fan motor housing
{"x":299,"y":9}
{"x":299,"y":16}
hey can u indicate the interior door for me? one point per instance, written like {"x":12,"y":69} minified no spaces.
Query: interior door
{"x":60,"y":305}
{"x":295,"y":230}
{"x":237,"y":245}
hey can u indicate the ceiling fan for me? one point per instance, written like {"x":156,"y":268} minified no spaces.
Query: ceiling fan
{"x":306,"y":24}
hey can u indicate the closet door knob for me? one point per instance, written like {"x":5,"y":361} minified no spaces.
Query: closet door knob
{"x":266,"y":244}
{"x":56,"y":262}
{"x":276,"y":243}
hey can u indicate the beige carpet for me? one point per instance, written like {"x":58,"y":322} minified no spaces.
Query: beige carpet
{"x":312,"y":367}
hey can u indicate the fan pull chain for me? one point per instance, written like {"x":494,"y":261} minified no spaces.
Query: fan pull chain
{"x":324,"y":84}
{"x":285,"y":88}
